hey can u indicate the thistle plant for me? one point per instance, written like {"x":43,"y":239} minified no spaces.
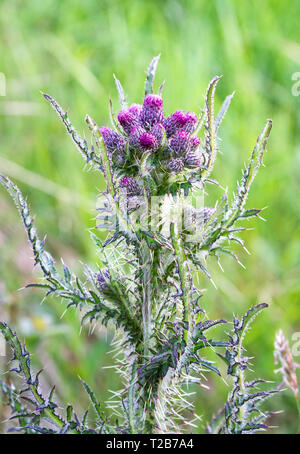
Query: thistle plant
{"x":156,"y":167}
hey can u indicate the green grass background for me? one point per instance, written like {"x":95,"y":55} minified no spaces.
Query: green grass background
{"x":70,"y":50}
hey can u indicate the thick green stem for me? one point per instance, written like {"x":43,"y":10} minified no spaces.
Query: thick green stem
{"x":146,"y":289}
{"x":23,"y":361}
{"x":185,"y":279}
{"x":131,"y":399}
{"x":241,"y":383}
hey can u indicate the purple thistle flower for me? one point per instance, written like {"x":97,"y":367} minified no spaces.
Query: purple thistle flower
{"x":130,"y":185}
{"x":180,"y":120}
{"x":191,"y":120}
{"x":135,"y":135}
{"x":180,"y":143}
{"x":175,"y":122}
{"x":152,"y":111}
{"x":114,"y":144}
{"x":135,"y":110}
{"x":127,"y":120}
{"x":193,"y":159}
{"x":176,"y":165}
{"x":103,"y":278}
{"x":148,"y":141}
{"x":112,"y":140}
{"x":139,"y":138}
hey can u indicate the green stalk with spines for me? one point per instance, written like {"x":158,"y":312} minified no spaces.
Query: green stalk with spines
{"x":249,"y":174}
{"x":210,"y":138}
{"x":184,"y":276}
{"x":146,"y":269}
{"x":23,"y":359}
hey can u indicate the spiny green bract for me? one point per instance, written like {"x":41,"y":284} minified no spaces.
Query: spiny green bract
{"x":152,"y":163}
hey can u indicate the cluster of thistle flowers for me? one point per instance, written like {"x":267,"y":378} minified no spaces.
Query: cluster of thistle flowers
{"x":147,"y":130}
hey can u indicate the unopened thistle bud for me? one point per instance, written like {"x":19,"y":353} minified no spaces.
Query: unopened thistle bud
{"x":180,"y":143}
{"x":193,"y":159}
{"x":134,"y":138}
{"x":283,"y":356}
{"x":174,"y":122}
{"x":191,"y":120}
{"x":180,"y":120}
{"x":130,"y":185}
{"x":148,"y":141}
{"x":127,"y":120}
{"x":135,"y":110}
{"x":175,"y":165}
{"x":152,"y":111}
{"x":111,"y":139}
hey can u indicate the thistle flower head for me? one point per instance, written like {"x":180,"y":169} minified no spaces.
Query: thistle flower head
{"x":128,"y":120}
{"x":175,"y":165}
{"x":152,"y":111}
{"x":175,"y":122}
{"x":112,"y":140}
{"x":190,"y":122}
{"x":180,"y":120}
{"x":180,"y":143}
{"x":135,"y":110}
{"x":283,"y":356}
{"x":130,"y":185}
{"x":135,"y":135}
{"x":148,"y":141}
{"x":146,"y":130}
{"x":141,"y":139}
{"x":158,"y":131}
{"x":193,"y":159}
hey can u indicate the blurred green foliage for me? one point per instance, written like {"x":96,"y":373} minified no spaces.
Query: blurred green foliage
{"x":70,"y":50}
